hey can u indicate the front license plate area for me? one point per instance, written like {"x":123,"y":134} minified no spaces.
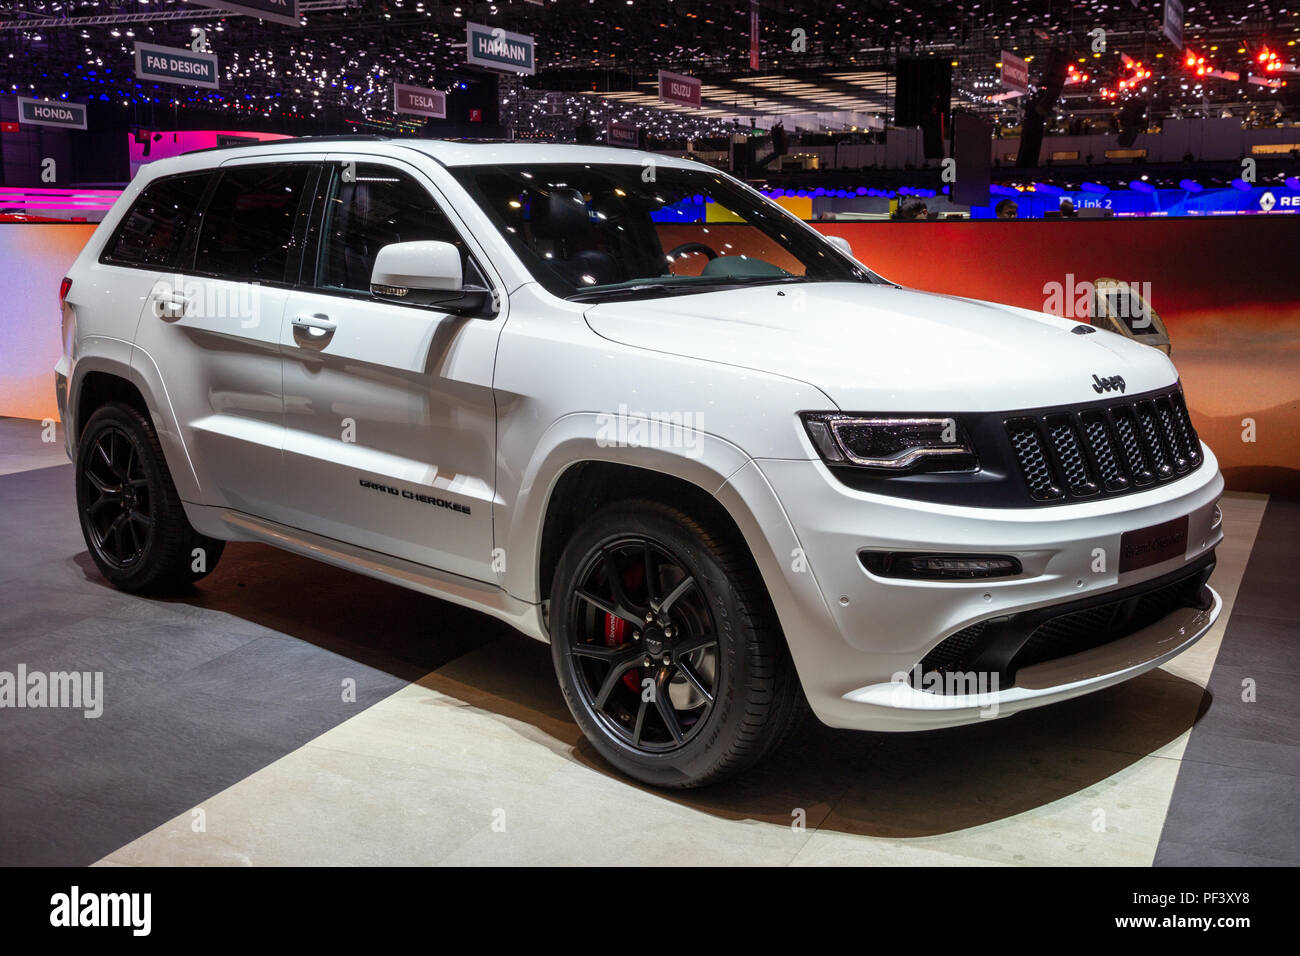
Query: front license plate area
{"x":1144,"y":547}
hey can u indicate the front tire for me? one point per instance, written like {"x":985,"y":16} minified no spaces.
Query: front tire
{"x":131,"y":516}
{"x":666,"y":647}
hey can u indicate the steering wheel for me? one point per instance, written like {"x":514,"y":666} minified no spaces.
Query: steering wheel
{"x":686,"y":247}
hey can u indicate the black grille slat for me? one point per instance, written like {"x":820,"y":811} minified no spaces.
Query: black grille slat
{"x":1106,"y":449}
{"x":1034,"y":466}
{"x":1070,"y":456}
{"x":1109,"y":468}
{"x":1155,"y":446}
{"x":1172,"y":436}
{"x":1126,"y":428}
{"x":1191,"y":440}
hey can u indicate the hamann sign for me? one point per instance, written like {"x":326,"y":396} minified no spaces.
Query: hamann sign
{"x":499,"y":49}
{"x":170,"y":65}
{"x":45,"y":113}
{"x":281,"y":11}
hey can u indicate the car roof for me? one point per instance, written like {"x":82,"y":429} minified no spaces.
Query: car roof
{"x":449,"y":152}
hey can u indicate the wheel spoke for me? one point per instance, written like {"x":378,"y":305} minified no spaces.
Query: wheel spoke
{"x":615,"y":582}
{"x":603,"y":604}
{"x":612,"y":679}
{"x":651,"y":574}
{"x":114,"y":531}
{"x":640,"y":722}
{"x":142,"y":519}
{"x":686,"y":584}
{"x":665,"y":707}
{"x":689,"y":673}
{"x":693,"y":643}
{"x":102,"y":486}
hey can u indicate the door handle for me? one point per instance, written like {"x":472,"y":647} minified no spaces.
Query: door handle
{"x":313,"y":330}
{"x":170,"y":307}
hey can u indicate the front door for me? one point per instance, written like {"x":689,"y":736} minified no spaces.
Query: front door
{"x":389,"y":410}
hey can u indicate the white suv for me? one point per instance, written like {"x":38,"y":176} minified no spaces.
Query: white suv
{"x":637,"y":410}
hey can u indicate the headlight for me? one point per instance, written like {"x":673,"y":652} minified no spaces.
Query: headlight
{"x":891,"y":445}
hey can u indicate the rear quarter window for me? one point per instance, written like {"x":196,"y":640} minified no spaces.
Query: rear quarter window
{"x":152,"y":233}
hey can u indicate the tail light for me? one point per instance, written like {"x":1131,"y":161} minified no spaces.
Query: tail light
{"x":64,"y":286}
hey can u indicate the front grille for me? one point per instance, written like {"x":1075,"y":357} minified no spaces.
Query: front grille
{"x":1105,"y":449}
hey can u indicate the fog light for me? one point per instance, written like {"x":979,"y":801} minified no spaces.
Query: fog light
{"x":1217,"y":518}
{"x":902,"y":564}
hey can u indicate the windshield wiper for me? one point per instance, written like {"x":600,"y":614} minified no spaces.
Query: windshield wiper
{"x":616,"y":292}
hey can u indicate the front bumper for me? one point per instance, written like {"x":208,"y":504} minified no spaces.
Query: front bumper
{"x":869,"y":630}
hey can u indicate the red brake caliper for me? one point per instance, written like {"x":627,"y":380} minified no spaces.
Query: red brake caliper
{"x":616,"y":629}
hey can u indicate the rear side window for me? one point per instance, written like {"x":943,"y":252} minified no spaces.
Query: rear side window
{"x":152,"y":233}
{"x":248,"y":227}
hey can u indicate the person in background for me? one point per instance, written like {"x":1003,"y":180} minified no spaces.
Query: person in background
{"x":1006,"y":209}
{"x":1067,"y":209}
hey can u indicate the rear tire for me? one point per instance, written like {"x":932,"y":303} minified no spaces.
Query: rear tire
{"x":667,"y":649}
{"x":131,"y":516}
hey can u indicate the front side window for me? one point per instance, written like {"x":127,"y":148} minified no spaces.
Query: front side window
{"x":593,"y":230}
{"x":369,"y":209}
{"x":152,"y":233}
{"x":248,"y":227}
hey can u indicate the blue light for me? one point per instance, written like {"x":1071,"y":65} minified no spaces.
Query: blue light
{"x":1048,"y":188}
{"x":1242,"y":185}
{"x":1138,"y":185}
{"x":862,"y":190}
{"x":1095,"y":188}
{"x":1293,"y":182}
{"x":1191,"y":185}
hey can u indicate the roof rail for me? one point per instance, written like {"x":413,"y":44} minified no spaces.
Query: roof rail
{"x":340,"y":138}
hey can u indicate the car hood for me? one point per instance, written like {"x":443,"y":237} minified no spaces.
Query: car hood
{"x":883,"y":348}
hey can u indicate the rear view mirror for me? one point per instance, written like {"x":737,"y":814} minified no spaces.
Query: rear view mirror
{"x":427,"y":272}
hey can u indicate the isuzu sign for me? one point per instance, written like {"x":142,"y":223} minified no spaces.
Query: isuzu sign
{"x":45,"y":113}
{"x":281,"y":11}
{"x":1015,"y":73}
{"x":170,"y":65}
{"x":419,"y":102}
{"x":499,"y":49}
{"x":676,"y":88}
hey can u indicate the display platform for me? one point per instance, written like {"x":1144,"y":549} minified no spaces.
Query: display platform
{"x":284,"y":712}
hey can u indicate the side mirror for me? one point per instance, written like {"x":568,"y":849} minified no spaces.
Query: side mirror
{"x":427,"y":272}
{"x":842,"y":244}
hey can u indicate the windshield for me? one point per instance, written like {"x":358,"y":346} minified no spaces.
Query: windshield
{"x":593,"y":230}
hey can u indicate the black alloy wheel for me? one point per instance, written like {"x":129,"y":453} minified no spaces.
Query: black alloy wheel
{"x":667,"y":647}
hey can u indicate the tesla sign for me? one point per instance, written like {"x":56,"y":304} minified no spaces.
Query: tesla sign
{"x":419,"y":102}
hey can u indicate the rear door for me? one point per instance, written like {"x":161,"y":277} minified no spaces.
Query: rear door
{"x":213,"y":329}
{"x":389,"y":409}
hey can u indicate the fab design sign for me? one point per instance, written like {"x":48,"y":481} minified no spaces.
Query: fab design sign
{"x":499,"y":49}
{"x":281,"y":11}
{"x":46,"y":113}
{"x":676,"y":88}
{"x":170,"y":65}
{"x":417,"y":101}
